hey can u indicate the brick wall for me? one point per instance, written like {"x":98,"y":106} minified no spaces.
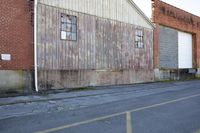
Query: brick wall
{"x":170,"y":16}
{"x":16,"y":34}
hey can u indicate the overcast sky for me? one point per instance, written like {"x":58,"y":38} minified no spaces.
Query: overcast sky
{"x":192,"y":6}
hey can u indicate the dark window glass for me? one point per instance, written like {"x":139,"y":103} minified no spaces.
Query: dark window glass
{"x":74,"y":20}
{"x":139,"y":38}
{"x":68,"y":27}
{"x":63,"y":27}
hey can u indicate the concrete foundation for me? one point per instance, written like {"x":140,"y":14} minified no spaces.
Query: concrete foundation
{"x":173,"y":74}
{"x":198,"y":73}
{"x":15,"y":81}
{"x":84,"y":78}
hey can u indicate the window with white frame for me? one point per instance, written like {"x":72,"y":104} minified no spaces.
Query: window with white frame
{"x":68,"y":27}
{"x":139,"y":38}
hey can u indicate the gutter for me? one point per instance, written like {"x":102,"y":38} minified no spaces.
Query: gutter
{"x":35,"y":46}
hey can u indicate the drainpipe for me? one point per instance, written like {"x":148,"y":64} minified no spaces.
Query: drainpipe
{"x":35,"y":46}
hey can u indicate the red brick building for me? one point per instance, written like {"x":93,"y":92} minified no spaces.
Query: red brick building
{"x":16,"y":44}
{"x":174,"y":27}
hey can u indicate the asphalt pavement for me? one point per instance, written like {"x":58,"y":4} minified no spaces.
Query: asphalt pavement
{"x":146,"y":108}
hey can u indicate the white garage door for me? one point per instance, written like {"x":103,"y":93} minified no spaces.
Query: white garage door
{"x":184,"y":50}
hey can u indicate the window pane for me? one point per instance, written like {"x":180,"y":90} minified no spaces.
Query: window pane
{"x":74,"y":20}
{"x":69,"y":19}
{"x":136,"y":44}
{"x":69,"y":27}
{"x":63,"y":35}
{"x":63,"y":18}
{"x":139,"y":38}
{"x":74,"y":36}
{"x":64,"y":27}
{"x":69,"y":35}
{"x":74,"y":28}
{"x":136,"y":38}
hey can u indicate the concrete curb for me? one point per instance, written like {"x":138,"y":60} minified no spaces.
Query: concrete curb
{"x":20,"y":99}
{"x":48,"y":99}
{"x":71,"y":95}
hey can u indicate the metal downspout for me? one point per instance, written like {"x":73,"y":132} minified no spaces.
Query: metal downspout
{"x":35,"y":46}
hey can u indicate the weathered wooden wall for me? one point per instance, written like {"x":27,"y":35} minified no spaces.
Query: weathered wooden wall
{"x":102,"y":44}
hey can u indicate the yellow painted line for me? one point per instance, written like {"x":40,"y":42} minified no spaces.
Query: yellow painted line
{"x":116,"y":114}
{"x":128,"y":122}
{"x":80,"y":123}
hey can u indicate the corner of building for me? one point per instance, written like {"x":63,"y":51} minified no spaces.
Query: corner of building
{"x":16,"y":46}
{"x":198,"y":73}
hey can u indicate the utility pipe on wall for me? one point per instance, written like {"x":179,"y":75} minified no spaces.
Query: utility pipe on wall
{"x":35,"y":46}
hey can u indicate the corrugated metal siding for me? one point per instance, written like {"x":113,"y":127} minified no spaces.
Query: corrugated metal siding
{"x":102,"y":44}
{"x":175,"y":48}
{"x":120,"y":10}
{"x":168,"y":40}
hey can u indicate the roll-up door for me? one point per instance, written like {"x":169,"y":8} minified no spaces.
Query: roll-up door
{"x":184,"y":50}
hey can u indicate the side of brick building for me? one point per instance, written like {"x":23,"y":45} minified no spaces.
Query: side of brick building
{"x":16,"y":40}
{"x":173,"y":18}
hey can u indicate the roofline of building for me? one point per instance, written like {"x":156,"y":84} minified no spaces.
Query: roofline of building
{"x":180,"y":9}
{"x":141,"y":12}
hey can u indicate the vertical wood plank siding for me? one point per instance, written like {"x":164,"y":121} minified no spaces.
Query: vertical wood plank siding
{"x":102,"y":44}
{"x":120,"y":10}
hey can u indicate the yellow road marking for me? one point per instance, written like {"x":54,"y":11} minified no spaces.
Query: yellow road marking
{"x":116,"y":114}
{"x":80,"y":123}
{"x":128,"y":122}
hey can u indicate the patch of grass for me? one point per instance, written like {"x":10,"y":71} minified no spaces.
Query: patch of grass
{"x":180,"y":80}
{"x":10,"y":93}
{"x":197,"y":78}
